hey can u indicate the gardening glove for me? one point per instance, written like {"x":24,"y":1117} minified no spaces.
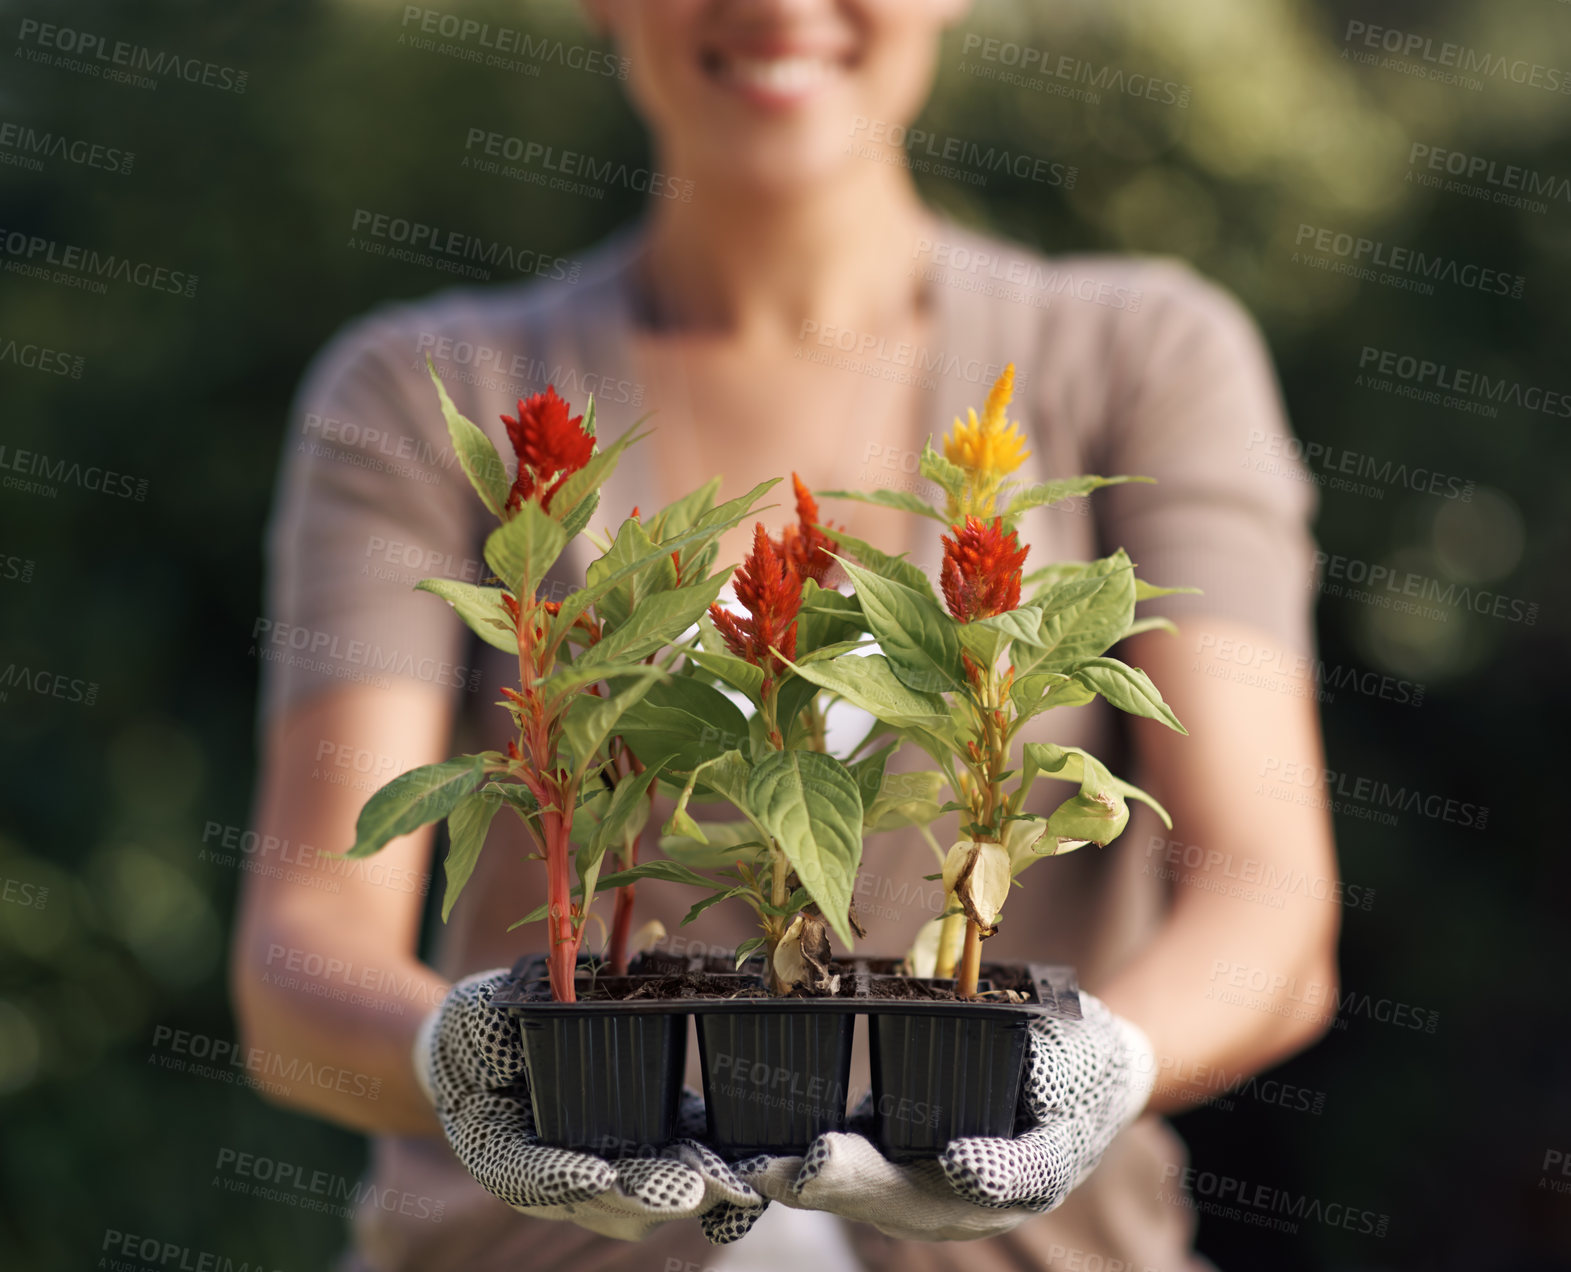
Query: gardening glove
{"x":1087,"y":1080}
{"x":470,"y":1063}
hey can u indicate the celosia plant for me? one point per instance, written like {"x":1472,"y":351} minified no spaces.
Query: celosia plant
{"x":585,"y":660}
{"x":794,"y":853}
{"x":962,"y":675}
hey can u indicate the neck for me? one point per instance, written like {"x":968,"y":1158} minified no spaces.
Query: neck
{"x":755,"y":266}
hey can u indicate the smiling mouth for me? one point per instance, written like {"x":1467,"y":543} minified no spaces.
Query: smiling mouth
{"x":777,"y":80}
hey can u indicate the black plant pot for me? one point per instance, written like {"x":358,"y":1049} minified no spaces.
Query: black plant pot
{"x":948,"y":1070}
{"x":605,"y":1072}
{"x":602,"y":1080}
{"x":774,"y":1078}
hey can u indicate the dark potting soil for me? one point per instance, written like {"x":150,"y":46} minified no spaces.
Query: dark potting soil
{"x":657,"y":977}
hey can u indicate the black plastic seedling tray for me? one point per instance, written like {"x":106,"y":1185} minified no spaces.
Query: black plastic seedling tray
{"x":606,"y":1071}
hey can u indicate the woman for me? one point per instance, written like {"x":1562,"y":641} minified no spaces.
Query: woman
{"x":731,"y":314}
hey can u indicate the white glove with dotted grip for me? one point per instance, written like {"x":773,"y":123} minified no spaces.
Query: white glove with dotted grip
{"x":470,"y":1062}
{"x":1087,"y":1080}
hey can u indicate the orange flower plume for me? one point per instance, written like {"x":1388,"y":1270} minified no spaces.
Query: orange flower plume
{"x":805,"y":546}
{"x":550,"y":447}
{"x":771,"y":593}
{"x":981,"y":571}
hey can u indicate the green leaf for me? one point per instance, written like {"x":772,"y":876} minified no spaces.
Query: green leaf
{"x":656,"y":621}
{"x":949,"y":476}
{"x":590,"y":719}
{"x":1149,"y":591}
{"x":1127,"y":688}
{"x":631,"y":547}
{"x":1051,"y":492}
{"x":1098,"y":813}
{"x":727,"y":776}
{"x":903,"y":500}
{"x":593,"y":474}
{"x":1155,"y":623}
{"x":811,"y":806}
{"x":891,"y":567}
{"x":414,"y":799}
{"x":680,"y":514}
{"x":683,"y":723}
{"x":740,"y":674}
{"x":986,"y":638}
{"x":1041,"y":691}
{"x":921,"y":641}
{"x":479,"y":607}
{"x":478,"y":458}
{"x":568,"y":678}
{"x":1070,"y":764}
{"x":868,"y":772}
{"x":868,"y":681}
{"x":622,"y":818}
{"x":669,"y":871}
{"x":516,"y":796}
{"x":906,"y":799}
{"x":827,"y":617}
{"x":723,"y":844}
{"x":524,"y":548}
{"x":1083,"y":618}
{"x":578,"y":518}
{"x":466,"y":829}
{"x":747,"y":948}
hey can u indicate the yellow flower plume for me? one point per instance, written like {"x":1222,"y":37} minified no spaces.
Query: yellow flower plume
{"x":987,"y":449}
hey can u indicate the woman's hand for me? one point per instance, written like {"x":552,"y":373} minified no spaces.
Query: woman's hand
{"x":1087,"y":1080}
{"x":470,"y":1061}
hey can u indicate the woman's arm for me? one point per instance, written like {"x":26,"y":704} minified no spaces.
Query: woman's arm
{"x":1217,"y":785}
{"x":324,"y":976}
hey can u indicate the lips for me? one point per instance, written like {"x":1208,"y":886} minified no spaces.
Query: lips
{"x":775,"y":79}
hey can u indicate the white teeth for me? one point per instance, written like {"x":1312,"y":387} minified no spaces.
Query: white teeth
{"x":778,"y":74}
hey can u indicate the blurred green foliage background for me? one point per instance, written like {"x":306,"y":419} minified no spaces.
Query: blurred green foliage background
{"x":105,"y":805}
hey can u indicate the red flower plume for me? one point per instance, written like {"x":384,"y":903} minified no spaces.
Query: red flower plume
{"x":771,"y":592}
{"x":805,"y":546}
{"x":981,"y":571}
{"x":548,"y":445}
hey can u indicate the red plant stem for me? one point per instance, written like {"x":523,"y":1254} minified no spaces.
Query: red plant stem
{"x":562,"y":958}
{"x":622,"y":916}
